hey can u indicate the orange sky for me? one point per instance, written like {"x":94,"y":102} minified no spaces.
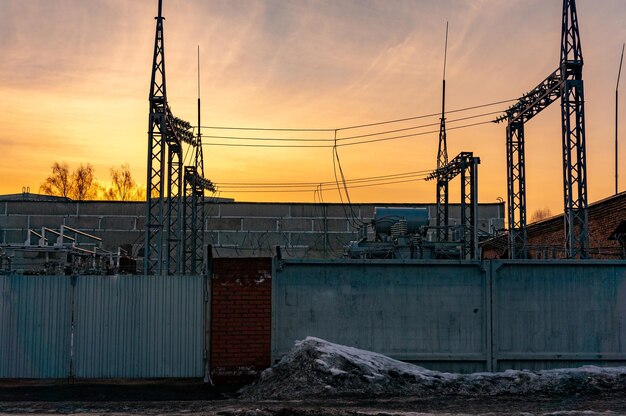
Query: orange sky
{"x":74,"y":80}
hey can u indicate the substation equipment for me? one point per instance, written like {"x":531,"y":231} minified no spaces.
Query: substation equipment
{"x":66,"y":251}
{"x":403,"y":233}
{"x":174,"y":233}
{"x":566,"y":83}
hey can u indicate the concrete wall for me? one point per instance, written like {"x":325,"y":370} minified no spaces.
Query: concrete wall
{"x":457,"y":316}
{"x":558,"y":314}
{"x":234,"y":229}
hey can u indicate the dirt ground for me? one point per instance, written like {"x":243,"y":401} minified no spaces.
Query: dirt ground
{"x":195,"y":398}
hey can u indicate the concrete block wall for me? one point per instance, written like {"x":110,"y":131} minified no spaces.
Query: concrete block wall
{"x":240,"y":318}
{"x":238,"y":229}
{"x":306,"y":230}
{"x":117,"y":223}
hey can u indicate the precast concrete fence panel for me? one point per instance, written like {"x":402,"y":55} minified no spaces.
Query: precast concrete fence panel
{"x":452,"y":316}
{"x":430,"y":312}
{"x":554,"y":314}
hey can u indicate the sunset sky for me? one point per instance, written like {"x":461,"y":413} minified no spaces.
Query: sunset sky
{"x":75,"y":74}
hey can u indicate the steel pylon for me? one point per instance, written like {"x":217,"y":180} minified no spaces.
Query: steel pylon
{"x":573,"y":137}
{"x":565,"y":83}
{"x":157,"y":133}
{"x":466,"y":165}
{"x":165,"y":234}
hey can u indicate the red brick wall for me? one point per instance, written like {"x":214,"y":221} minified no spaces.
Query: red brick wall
{"x":547,"y":238}
{"x":240,"y":318}
{"x":604,"y":217}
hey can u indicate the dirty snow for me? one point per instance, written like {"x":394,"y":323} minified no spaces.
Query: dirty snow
{"x":318,"y":368}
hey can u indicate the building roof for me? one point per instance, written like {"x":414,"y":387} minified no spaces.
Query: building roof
{"x":27,"y":196}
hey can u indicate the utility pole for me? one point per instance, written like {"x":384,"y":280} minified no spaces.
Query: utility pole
{"x":619,"y":73}
{"x":442,"y":159}
{"x":195,"y":184}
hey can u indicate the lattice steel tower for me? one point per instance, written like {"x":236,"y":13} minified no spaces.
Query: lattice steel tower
{"x":153,"y":245}
{"x":574,"y":141}
{"x":566,"y":83}
{"x":165,"y":224}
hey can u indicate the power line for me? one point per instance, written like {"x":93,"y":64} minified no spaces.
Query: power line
{"x":357,"y":126}
{"x":281,"y":139}
{"x":345,"y":144}
{"x":327,"y":185}
{"x":285,"y":139}
{"x":414,"y":134}
{"x":394,"y":175}
{"x":268,"y":145}
{"x":421,"y":126}
{"x":311,"y":189}
{"x":262,"y":128}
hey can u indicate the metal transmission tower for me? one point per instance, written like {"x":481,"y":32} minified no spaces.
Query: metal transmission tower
{"x":153,"y":245}
{"x":442,"y":160}
{"x":565,"y":83}
{"x":166,"y":135}
{"x":466,"y":165}
{"x":573,"y":132}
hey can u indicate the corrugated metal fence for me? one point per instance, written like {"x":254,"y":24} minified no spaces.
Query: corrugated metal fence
{"x":453,"y":316}
{"x":102,"y":326}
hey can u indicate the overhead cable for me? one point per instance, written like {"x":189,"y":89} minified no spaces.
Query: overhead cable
{"x":313,"y":187}
{"x":394,"y":175}
{"x":361,"y":125}
{"x":285,"y":139}
{"x":344,"y":144}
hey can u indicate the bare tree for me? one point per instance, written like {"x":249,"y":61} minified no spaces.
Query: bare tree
{"x":541,"y":214}
{"x":84,"y":185}
{"x":123,"y":186}
{"x":60,"y":182}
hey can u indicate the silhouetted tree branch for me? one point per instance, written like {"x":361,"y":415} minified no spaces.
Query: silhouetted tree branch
{"x":59,"y":183}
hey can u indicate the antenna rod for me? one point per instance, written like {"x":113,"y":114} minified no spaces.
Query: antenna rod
{"x":445,"y":59}
{"x":199,"y":91}
{"x":442,"y":151}
{"x":619,"y":73}
{"x":160,"y":8}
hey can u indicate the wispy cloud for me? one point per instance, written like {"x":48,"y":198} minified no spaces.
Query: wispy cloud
{"x":75,"y":76}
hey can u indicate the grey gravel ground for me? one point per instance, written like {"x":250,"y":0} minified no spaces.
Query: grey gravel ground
{"x":536,"y":405}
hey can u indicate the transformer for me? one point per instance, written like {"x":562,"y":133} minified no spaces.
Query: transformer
{"x":403,"y":233}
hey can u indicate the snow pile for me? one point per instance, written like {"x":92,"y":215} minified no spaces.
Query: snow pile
{"x":315,"y":367}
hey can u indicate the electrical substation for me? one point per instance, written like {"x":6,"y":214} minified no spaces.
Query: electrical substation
{"x":173,"y":243}
{"x":190,"y":285}
{"x":176,"y":226}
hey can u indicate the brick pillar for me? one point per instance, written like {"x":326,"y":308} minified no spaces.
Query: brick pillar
{"x":240,"y":318}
